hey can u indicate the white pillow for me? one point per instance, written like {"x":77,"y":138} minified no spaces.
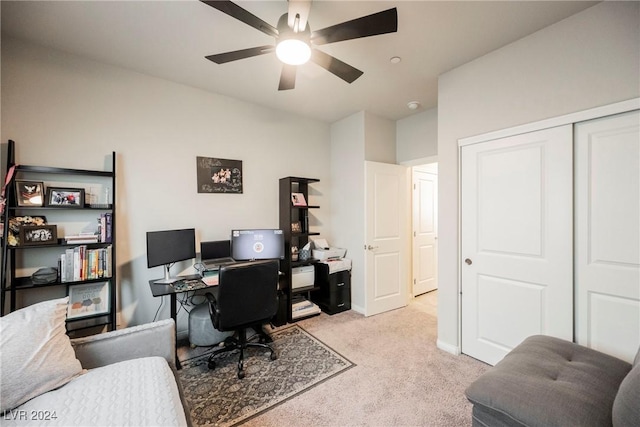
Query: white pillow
{"x":36,"y":354}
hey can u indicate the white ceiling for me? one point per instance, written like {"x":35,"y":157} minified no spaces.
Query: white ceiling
{"x":169,"y":39}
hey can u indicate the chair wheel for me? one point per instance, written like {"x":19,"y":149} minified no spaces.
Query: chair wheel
{"x":229,"y":341}
{"x":240,"y":374}
{"x":274,"y":356}
{"x":211,"y":364}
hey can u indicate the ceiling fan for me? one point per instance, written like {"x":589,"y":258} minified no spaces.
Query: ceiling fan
{"x":294,"y":38}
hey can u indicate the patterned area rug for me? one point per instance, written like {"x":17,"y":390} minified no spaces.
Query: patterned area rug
{"x":219,"y":398}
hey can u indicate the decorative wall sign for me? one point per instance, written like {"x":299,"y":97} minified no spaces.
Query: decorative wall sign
{"x":88,"y":300}
{"x":219,"y":175}
{"x":38,"y":235}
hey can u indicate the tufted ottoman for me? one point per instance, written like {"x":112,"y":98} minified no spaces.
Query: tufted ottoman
{"x":547,"y":381}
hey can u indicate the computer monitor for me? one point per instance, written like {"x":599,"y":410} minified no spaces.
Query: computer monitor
{"x":257,"y":244}
{"x":168,"y":247}
{"x":215,"y":249}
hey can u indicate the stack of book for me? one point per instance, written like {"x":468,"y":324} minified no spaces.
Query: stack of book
{"x":303,"y":308}
{"x":106,"y":220}
{"x":82,"y":238}
{"x":80,"y":263}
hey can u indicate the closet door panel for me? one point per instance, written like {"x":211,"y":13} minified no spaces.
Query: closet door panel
{"x":607,"y":218}
{"x":517,"y":244}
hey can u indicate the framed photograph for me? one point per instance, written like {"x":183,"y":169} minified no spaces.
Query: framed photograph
{"x":298,"y":199}
{"x":296,"y":227}
{"x":31,"y":235}
{"x":30,"y":193}
{"x":89,"y":299}
{"x":65,"y":197}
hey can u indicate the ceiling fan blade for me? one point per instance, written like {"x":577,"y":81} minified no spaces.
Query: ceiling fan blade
{"x":288,"y":77}
{"x":345,"y":71}
{"x":235,"y":11}
{"x":300,"y":8}
{"x":221,"y":58}
{"x":371,"y":25}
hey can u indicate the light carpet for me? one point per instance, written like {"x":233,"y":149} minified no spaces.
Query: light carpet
{"x":218,"y":398}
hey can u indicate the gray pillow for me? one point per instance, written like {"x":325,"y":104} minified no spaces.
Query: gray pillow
{"x":36,"y":356}
{"x":626,"y":407}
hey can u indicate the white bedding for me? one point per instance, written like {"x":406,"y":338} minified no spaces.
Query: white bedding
{"x":138,"y":392}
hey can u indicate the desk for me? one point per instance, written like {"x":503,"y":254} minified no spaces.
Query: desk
{"x":159,"y":290}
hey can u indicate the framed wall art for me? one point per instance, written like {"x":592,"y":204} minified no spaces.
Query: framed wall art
{"x":89,"y":299}
{"x":65,"y":197}
{"x":298,"y":199}
{"x":31,"y":235}
{"x":219,"y":175}
{"x":29,"y":193}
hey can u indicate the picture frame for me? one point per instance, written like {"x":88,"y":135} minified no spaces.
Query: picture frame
{"x":90,"y":299}
{"x":36,"y":235}
{"x":298,"y":199}
{"x":223,"y":176}
{"x":29,"y":193}
{"x":296,"y":227}
{"x":17,"y":222}
{"x":65,"y":197}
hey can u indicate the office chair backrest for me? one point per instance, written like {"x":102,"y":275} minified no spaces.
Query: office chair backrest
{"x":247,"y":293}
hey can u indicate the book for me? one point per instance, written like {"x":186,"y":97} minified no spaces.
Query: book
{"x":298,"y":199}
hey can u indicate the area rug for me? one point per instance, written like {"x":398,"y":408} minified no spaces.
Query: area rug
{"x":218,"y":398}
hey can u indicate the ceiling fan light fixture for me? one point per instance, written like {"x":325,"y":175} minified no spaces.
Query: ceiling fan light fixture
{"x":293,"y":51}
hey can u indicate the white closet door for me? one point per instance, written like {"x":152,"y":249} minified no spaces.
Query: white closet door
{"x":608,"y":234}
{"x":517,"y":244}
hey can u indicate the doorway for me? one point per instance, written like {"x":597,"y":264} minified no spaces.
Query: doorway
{"x":424,"y":228}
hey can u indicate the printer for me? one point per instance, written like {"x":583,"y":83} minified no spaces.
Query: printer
{"x":322,"y":251}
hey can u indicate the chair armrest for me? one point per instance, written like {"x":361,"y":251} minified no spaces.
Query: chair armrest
{"x":151,"y":339}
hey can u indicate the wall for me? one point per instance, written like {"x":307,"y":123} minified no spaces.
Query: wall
{"x":587,"y":60}
{"x":67,"y":111}
{"x":347,"y":197}
{"x":359,"y":137}
{"x":379,"y":139}
{"x":417,"y":136}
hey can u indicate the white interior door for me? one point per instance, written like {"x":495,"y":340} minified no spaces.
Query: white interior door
{"x":387,"y":237}
{"x":425,"y":229}
{"x":517,"y":238}
{"x":608,"y":234}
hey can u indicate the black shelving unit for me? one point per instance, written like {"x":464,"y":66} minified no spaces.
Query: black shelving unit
{"x":289,"y":215}
{"x":12,"y":256}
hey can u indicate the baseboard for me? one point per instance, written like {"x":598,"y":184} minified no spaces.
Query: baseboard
{"x":453,"y":349}
{"x":357,"y":308}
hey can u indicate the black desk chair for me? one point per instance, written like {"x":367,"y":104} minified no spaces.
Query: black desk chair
{"x":246,"y":297}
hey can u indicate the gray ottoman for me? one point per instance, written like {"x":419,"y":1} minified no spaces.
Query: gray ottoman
{"x":547,"y":381}
{"x":201,"y":330}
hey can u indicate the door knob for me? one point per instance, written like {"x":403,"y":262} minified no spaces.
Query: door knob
{"x":369,"y":247}
{"x":468,"y":261}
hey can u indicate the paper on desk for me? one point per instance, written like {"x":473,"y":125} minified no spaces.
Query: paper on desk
{"x":321,"y":244}
{"x":211,"y":280}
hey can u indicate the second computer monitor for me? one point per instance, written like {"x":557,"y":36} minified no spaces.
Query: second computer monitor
{"x":257,"y":244}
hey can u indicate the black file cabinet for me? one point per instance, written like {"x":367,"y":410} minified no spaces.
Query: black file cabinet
{"x":334,"y":295}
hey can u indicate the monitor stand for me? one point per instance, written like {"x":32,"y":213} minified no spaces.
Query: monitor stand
{"x":167,"y":280}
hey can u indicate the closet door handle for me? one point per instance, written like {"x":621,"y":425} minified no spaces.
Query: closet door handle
{"x":468,"y":261}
